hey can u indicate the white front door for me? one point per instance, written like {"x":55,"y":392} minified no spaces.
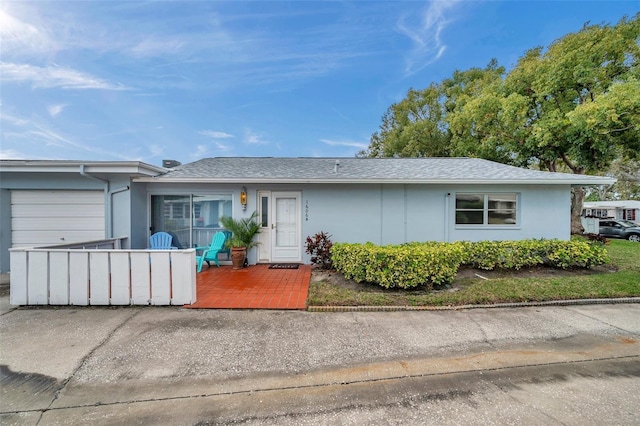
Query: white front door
{"x":286,"y":242}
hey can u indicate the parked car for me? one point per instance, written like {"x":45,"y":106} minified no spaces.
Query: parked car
{"x":620,"y":229}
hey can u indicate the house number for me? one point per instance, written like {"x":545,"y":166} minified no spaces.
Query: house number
{"x":306,"y":210}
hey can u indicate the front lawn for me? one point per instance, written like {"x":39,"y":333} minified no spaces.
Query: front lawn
{"x":620,"y":278}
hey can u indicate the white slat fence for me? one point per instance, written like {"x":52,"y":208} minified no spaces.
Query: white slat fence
{"x":69,"y":276}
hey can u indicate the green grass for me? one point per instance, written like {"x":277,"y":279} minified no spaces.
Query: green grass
{"x":621,"y":278}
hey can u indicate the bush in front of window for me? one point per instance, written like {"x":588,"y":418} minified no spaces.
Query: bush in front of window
{"x":433,"y":263}
{"x":526,"y":253}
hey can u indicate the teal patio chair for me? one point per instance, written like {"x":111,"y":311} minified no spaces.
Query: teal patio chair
{"x":161,"y":241}
{"x":226,"y":250}
{"x":210,"y":254}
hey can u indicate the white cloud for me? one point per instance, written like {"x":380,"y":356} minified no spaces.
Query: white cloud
{"x":353,"y":144}
{"x":54,"y":76}
{"x":55,"y":109}
{"x":223,"y":147}
{"x":428,"y":46}
{"x":11,"y":154}
{"x":150,"y":47}
{"x":11,"y":119}
{"x":156,"y":150}
{"x":19,"y":36}
{"x":253,"y":138}
{"x":215,"y":135}
{"x":40,"y":134}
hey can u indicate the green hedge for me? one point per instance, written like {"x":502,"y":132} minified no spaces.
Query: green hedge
{"x":519,"y":254}
{"x":425,"y":264}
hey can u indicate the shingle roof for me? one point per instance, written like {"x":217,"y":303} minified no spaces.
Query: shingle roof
{"x":364,"y":170}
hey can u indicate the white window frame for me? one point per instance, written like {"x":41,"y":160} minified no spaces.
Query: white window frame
{"x":485,"y":211}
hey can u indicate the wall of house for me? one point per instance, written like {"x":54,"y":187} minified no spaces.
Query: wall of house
{"x":5,"y":229}
{"x":138,"y":233}
{"x":120,"y":196}
{"x":381,"y":214}
{"x":393,"y":214}
{"x":544,"y":211}
{"x":390,"y":213}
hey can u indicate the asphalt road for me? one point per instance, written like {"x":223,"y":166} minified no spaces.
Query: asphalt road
{"x":544,"y":365}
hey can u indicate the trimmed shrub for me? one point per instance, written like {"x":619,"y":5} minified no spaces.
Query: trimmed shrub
{"x":425,"y":264}
{"x":403,"y":266}
{"x":519,"y":254}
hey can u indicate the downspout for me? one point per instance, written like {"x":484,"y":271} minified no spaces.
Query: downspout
{"x":446,"y":216}
{"x":107,"y":198}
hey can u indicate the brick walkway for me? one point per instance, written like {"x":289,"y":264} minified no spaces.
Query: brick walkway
{"x":255,"y":287}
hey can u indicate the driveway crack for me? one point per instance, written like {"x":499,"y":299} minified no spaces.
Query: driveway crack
{"x":84,"y":359}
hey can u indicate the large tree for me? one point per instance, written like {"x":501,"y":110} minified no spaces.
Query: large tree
{"x":627,"y":187}
{"x":574,"y":106}
{"x":474,"y":101}
{"x":582,"y":101}
{"x":413,"y":127}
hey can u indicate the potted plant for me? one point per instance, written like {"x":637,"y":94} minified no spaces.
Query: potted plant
{"x":243,"y":231}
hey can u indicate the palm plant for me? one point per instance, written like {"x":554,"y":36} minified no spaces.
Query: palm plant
{"x":243,"y":230}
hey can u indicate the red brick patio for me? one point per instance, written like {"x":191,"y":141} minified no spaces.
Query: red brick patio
{"x":255,"y":287}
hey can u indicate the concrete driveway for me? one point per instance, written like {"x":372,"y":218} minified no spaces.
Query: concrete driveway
{"x":166,"y":365}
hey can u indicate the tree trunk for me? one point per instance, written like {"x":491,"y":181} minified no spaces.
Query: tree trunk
{"x":577,"y":200}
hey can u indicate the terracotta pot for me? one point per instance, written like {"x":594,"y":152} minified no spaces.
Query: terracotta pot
{"x":238,"y":254}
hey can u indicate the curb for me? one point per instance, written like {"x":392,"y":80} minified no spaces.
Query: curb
{"x":480,"y":306}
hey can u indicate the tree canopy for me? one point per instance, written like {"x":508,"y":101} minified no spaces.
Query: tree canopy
{"x":574,"y":106}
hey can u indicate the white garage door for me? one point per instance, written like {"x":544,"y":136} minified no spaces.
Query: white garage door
{"x":56,"y":217}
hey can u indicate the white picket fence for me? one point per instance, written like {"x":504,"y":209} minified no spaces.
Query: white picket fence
{"x":68,"y":276}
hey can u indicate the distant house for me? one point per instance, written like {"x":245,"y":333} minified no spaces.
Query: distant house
{"x":385,"y":201}
{"x":629,"y":209}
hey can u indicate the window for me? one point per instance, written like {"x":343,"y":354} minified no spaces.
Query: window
{"x":191,"y":219}
{"x":264,"y":211}
{"x":208,"y":209}
{"x":597,"y":213}
{"x":486,"y":209}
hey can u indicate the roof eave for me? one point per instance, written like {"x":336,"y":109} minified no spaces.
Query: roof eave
{"x":572,"y":182}
{"x":120,"y":167}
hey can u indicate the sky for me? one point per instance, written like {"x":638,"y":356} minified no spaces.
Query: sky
{"x":154,"y":80}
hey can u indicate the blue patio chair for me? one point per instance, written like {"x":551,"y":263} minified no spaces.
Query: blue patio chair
{"x":210,"y":254}
{"x":161,"y":241}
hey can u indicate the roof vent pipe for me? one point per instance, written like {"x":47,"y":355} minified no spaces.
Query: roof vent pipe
{"x":337,"y":165}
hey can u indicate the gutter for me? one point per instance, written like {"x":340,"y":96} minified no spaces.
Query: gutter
{"x":235,"y":180}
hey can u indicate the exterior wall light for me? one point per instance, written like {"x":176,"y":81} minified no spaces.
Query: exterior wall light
{"x":243,"y":198}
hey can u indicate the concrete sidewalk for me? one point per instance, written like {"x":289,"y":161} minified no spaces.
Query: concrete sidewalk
{"x":169,"y":365}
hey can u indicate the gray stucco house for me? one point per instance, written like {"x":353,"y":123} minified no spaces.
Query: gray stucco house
{"x":385,"y":201}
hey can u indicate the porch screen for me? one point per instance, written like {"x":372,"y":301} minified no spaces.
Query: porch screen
{"x":191,"y":219}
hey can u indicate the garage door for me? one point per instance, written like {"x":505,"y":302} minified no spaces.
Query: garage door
{"x":56,"y":217}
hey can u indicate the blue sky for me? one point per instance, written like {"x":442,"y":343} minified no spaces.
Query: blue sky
{"x":153,"y":80}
